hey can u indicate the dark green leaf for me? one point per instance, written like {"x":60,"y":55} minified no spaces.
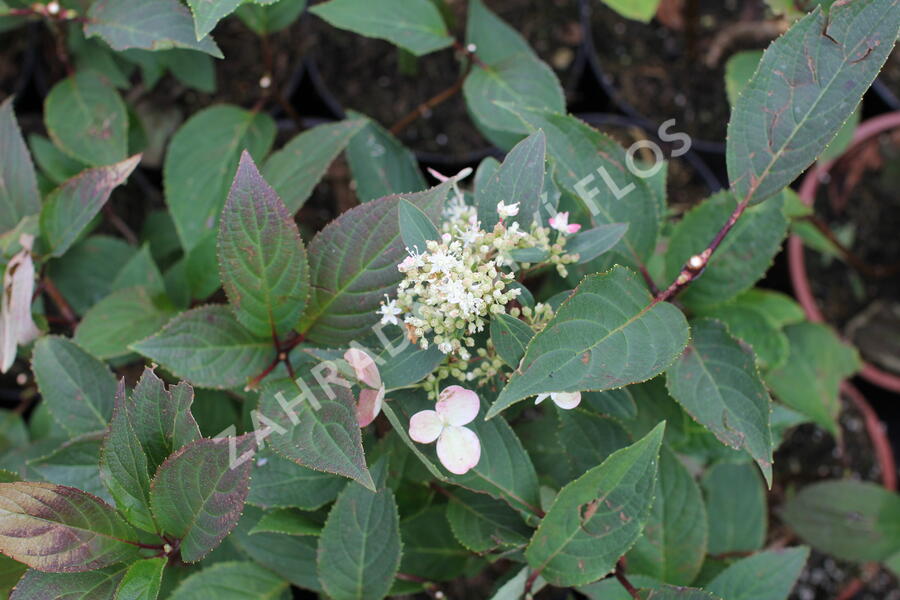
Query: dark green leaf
{"x":717,"y":383}
{"x":483,"y":524}
{"x":19,"y":194}
{"x":79,"y":389}
{"x":808,"y":83}
{"x":200,"y":160}
{"x":809,"y":380}
{"x":295,"y":170}
{"x":415,"y":25}
{"x":767,"y":575}
{"x":61,"y":529}
{"x":639,"y":10}
{"x":279,"y":482}
{"x":673,"y":546}
{"x":287,"y":521}
{"x":73,"y":464}
{"x":208,"y":347}
{"x":359,"y":549}
{"x":590,"y":244}
{"x":121,"y":319}
{"x":429,"y":548}
{"x":233,"y":581}
{"x":86,"y":119}
{"x":510,"y":337}
{"x":85,"y":274}
{"x":606,"y":335}
{"x":146,"y":24}
{"x":736,"y":508}
{"x":416,"y":229}
{"x":142,"y":580}
{"x":209,"y":12}
{"x":520,"y":179}
{"x":270,"y":18}
{"x":851,"y":520}
{"x":315,"y":427}
{"x":70,"y":208}
{"x":380,"y":164}
{"x":198,"y":494}
{"x":612,"y":501}
{"x":589,"y":438}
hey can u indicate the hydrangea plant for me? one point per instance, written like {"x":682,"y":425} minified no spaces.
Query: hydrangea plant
{"x":242,"y":404}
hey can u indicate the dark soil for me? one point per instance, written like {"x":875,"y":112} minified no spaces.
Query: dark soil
{"x":372,"y":77}
{"x":867,"y":215}
{"x":663,"y":73}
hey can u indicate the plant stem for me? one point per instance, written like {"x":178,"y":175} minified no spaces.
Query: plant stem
{"x":61,"y":305}
{"x":620,"y":576}
{"x":697,"y":263}
{"x":875,"y":271}
{"x":426,"y":107}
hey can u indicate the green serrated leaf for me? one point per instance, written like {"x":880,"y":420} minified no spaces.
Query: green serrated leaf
{"x":606,"y":335}
{"x":84,"y":275}
{"x":673,"y":545}
{"x":73,"y":464}
{"x":757,"y":317}
{"x":589,"y":438}
{"x":810,"y":379}
{"x":851,"y":520}
{"x":768,"y":575}
{"x":591,"y":166}
{"x":61,"y":529}
{"x":279,"y":482}
{"x":121,"y":319}
{"x":233,"y":581}
{"x":718,"y":384}
{"x":197,"y":494}
{"x":416,"y":229}
{"x":510,"y":337}
{"x":380,"y":164}
{"x":207,"y":13}
{"x":483,"y":524}
{"x":86,"y":118}
{"x":295,"y":170}
{"x":806,"y":86}
{"x":315,"y":427}
{"x":429,"y":549}
{"x":591,"y":243}
{"x":292,"y":557}
{"x":742,"y":258}
{"x":353,"y":265}
{"x":200,"y":160}
{"x":142,"y":580}
{"x":287,"y":521}
{"x":261,"y":256}
{"x":359,"y":549}
{"x":146,"y":24}
{"x":414,"y":25}
{"x":735,"y":507}
{"x":53,"y":162}
{"x":612,"y":501}
{"x":140,"y":270}
{"x":208,"y":347}
{"x":19,"y":194}
{"x":70,"y":208}
{"x":79,"y":389}
{"x":272,"y":17}
{"x":519,"y":179}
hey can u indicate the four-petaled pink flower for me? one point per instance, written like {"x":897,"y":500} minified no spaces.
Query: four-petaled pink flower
{"x":560,"y":222}
{"x":564,"y":400}
{"x":458,"y":447}
{"x":370,"y":399}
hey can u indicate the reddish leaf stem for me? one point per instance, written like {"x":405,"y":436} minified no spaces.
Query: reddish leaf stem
{"x":697,"y":263}
{"x":61,"y":305}
{"x":620,"y":576}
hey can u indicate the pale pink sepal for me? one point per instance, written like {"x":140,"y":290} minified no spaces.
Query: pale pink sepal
{"x":16,"y":325}
{"x":369,"y":405}
{"x":425,"y":426}
{"x":458,"y":449}
{"x":365,"y":368}
{"x":457,"y":405}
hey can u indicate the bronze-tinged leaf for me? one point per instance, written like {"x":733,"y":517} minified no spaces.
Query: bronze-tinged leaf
{"x":61,"y":529}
